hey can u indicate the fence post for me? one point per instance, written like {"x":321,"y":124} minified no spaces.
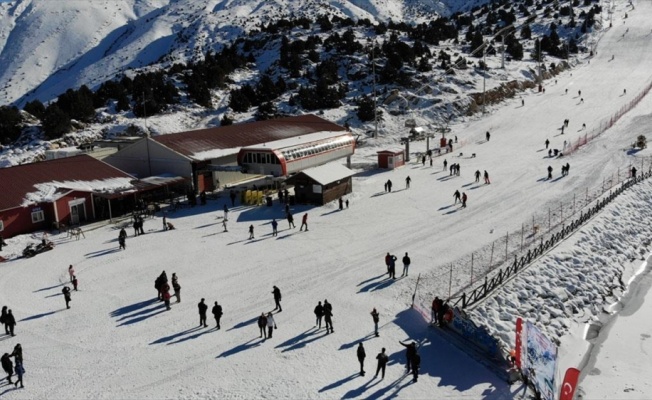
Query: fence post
{"x":506,"y":244}
{"x":491,"y":258}
{"x":450,"y":282}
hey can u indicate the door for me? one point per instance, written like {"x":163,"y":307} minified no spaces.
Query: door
{"x":77,"y":211}
{"x":390,"y":162}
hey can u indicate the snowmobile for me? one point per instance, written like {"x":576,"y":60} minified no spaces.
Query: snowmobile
{"x":31,"y":250}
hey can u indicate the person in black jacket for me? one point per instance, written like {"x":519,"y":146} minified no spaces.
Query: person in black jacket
{"x":415,"y":363}
{"x":262,"y":324}
{"x":361,"y":356}
{"x":66,"y":295}
{"x":411,"y":351}
{"x":382,"y":363}
{"x":374,"y":315}
{"x":217,"y":313}
{"x":10,"y":322}
{"x":406,"y":264}
{"x":122,"y":239}
{"x":3,"y":319}
{"x":277,"y":299}
{"x":202,"y":313}
{"x":328,"y":318}
{"x":7,"y":366}
{"x":319,"y":313}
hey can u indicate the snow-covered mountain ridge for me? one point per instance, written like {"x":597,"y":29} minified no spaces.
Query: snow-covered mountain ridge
{"x":47,"y":47}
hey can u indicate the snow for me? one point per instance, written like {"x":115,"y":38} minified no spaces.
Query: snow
{"x":47,"y":192}
{"x":329,"y":173}
{"x":117,"y":342}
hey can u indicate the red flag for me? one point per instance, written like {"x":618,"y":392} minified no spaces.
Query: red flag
{"x":570,"y":382}
{"x":519,"y":332}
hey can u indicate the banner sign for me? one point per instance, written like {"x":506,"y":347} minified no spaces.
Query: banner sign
{"x":539,"y":361}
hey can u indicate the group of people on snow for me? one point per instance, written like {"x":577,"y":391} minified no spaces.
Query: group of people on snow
{"x":390,"y":263}
{"x":15,"y":367}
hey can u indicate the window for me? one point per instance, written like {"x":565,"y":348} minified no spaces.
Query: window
{"x":2,"y":226}
{"x":37,"y":216}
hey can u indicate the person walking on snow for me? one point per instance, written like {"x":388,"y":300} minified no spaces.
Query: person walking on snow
{"x":251,"y":232}
{"x":341,"y":203}
{"x":202,"y":313}
{"x":10,"y":322}
{"x":224,"y":225}
{"x":387,"y":261}
{"x":392,"y":266}
{"x":165,"y":222}
{"x":549,"y":172}
{"x":274,"y":228}
{"x":71,"y":272}
{"x":75,"y":282}
{"x":291,"y":221}
{"x":406,"y":264}
{"x":217,"y":313}
{"x":176,"y":287}
{"x":547,"y":143}
{"x":488,"y":136}
{"x":486,"y":177}
{"x":389,"y":185}
{"x":382,"y":363}
{"x":375,"y":317}
{"x":361,"y":356}
{"x":304,"y":222}
{"x":328,"y":319}
{"x":445,"y":164}
{"x":66,"y":295}
{"x":407,"y":182}
{"x":415,"y":364}
{"x":477,"y":176}
{"x":226,"y":212}
{"x":457,"y":196}
{"x":271,"y":325}
{"x":262,"y":324}
{"x":464,"y":200}
{"x":277,"y":298}
{"x":122,"y":239}
{"x":319,"y":313}
{"x":7,"y":366}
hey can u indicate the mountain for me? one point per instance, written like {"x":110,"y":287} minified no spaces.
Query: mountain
{"x":47,"y":46}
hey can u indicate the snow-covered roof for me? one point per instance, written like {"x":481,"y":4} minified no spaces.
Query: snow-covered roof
{"x":51,"y":191}
{"x":296,"y":141}
{"x":327,"y":173}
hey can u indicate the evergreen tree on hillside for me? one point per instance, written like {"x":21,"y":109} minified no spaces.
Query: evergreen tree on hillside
{"x":55,"y":122}
{"x":36,"y":108}
{"x":10,"y":124}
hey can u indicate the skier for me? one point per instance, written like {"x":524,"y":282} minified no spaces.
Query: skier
{"x":277,"y":298}
{"x":488,"y":136}
{"x":328,"y":319}
{"x":549,"y":172}
{"x":291,"y":221}
{"x":486,"y":177}
{"x":319,"y":313}
{"x":304,"y":222}
{"x":547,"y":143}
{"x":374,"y":316}
{"x":224,"y":225}
{"x":122,"y":239}
{"x":457,"y":196}
{"x":271,"y":325}
{"x":217,"y":313}
{"x":408,"y":180}
{"x":66,"y":295}
{"x":445,"y":164}
{"x":382,"y":363}
{"x":251,"y":232}
{"x":274,"y":228}
{"x":477,"y":175}
{"x":567,"y":168}
{"x":341,"y":204}
{"x":579,"y":92}
{"x":361,"y":356}
{"x":202,"y":313}
{"x":406,"y":264}
{"x":226,"y":212}
{"x":176,"y":287}
{"x":392,"y":266}
{"x":262,"y":323}
{"x":7,"y":366}
{"x":71,"y":272}
{"x":464,"y":200}
{"x":75,"y":282}
{"x":411,"y":350}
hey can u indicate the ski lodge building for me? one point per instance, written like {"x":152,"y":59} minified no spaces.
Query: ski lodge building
{"x":209,"y":158}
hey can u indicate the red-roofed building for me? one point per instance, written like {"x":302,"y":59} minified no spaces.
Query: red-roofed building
{"x":208,"y":157}
{"x":36,"y":196}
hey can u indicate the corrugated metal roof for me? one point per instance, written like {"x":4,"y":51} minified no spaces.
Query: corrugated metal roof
{"x":327,"y":173}
{"x":19,"y":181}
{"x":194,"y":143}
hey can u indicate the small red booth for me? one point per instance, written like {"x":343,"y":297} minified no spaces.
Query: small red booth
{"x":391,"y":159}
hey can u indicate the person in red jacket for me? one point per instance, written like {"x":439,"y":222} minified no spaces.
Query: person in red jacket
{"x":304,"y":222}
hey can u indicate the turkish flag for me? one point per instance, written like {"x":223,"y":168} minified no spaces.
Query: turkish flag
{"x":570,"y":382}
{"x":519,"y":341}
